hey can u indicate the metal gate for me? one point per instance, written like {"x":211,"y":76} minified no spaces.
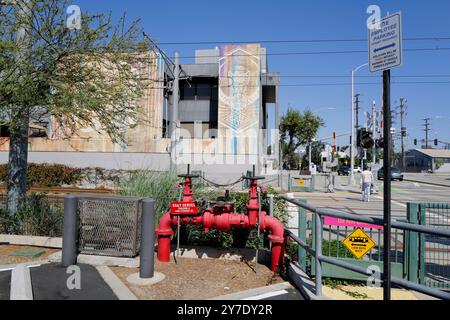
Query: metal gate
{"x":434,"y":251}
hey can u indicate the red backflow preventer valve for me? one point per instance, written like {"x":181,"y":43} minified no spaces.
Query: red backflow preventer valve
{"x":221,"y":217}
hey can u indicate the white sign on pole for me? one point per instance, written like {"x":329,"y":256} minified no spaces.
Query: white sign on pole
{"x":385,"y":44}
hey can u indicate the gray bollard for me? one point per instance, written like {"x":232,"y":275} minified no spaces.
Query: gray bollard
{"x":147,"y":250}
{"x":69,"y":249}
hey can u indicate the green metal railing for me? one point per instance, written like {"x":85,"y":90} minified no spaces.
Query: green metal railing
{"x":332,"y":247}
{"x":320,"y":260}
{"x":429,"y":261}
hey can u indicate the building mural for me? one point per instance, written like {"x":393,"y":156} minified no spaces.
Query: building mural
{"x":239,"y":97}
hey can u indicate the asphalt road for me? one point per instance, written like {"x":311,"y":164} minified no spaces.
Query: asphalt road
{"x":5,"y":281}
{"x":49,"y":282}
{"x":402,"y":193}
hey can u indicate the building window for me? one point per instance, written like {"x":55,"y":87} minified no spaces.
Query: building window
{"x":188,"y":92}
{"x":198,"y":91}
{"x":203,"y":92}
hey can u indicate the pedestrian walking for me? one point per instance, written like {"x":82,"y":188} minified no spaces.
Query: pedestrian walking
{"x":367,"y":181}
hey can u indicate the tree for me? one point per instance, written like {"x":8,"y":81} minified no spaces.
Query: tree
{"x":74,"y":76}
{"x":297,"y":129}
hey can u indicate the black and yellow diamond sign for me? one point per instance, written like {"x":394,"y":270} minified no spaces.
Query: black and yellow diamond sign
{"x":359,"y":243}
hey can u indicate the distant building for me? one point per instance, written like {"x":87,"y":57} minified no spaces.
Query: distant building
{"x":420,"y":160}
{"x":225,"y":100}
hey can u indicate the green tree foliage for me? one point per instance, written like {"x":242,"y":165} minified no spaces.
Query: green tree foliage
{"x":83,"y":77}
{"x":296,"y":129}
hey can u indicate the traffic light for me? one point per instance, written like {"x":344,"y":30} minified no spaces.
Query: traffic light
{"x":380,"y":143}
{"x":366,"y":140}
{"x":436,"y":142}
{"x":415,"y":142}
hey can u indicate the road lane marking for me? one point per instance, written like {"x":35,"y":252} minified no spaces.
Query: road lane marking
{"x":267,"y":295}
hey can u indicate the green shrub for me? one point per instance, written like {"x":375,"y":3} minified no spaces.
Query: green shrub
{"x":37,"y":217}
{"x":47,"y":175}
{"x":161,"y":187}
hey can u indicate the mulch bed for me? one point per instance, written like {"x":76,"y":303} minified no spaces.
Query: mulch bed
{"x":193,"y":279}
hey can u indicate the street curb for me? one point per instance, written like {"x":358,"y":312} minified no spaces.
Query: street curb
{"x":253,"y":292}
{"x":302,"y":281}
{"x":117,"y":286}
{"x":31,"y":264}
{"x":46,"y":242}
{"x":99,"y":260}
{"x":21,"y":283}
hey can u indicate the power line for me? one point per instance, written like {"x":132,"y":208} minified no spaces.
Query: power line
{"x":343,"y":76}
{"x":326,"y":84}
{"x":348,"y":84}
{"x":274,"y":54}
{"x":443,"y":38}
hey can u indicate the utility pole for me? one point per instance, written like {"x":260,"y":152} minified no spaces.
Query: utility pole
{"x":374,"y":132}
{"x":357,"y":126}
{"x":174,"y":114}
{"x":403,"y":129}
{"x":427,"y":129}
{"x":357,"y":112}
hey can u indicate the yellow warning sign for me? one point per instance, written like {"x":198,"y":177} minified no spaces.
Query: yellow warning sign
{"x":301,"y":183}
{"x":359,"y":243}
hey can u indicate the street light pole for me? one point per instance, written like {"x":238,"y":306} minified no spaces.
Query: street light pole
{"x":353,"y":135}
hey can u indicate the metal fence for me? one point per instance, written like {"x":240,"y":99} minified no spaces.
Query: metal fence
{"x":109,"y":225}
{"x":42,"y":215}
{"x":319,"y":259}
{"x":433,"y":268}
{"x":301,"y":183}
{"x":332,"y":246}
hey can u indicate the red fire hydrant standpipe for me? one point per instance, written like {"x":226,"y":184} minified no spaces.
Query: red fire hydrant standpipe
{"x":221,"y":217}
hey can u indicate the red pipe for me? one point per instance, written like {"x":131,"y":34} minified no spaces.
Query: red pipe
{"x":164,"y":232}
{"x":222,"y":219}
{"x":223,"y":222}
{"x":276,"y":237}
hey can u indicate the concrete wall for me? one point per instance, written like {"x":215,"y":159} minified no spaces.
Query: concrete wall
{"x":220,"y":173}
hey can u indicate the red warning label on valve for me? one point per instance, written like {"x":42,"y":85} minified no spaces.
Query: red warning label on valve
{"x":180,"y":208}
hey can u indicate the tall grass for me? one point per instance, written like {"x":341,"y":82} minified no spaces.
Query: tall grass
{"x":160,"y":186}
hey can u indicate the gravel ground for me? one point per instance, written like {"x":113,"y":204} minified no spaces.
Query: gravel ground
{"x":7,"y":250}
{"x":199,"y":279}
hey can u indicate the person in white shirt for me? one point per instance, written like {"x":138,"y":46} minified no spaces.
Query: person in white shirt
{"x":366,"y":184}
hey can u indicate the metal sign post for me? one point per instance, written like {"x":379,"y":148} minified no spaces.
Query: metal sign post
{"x":386,"y":52}
{"x":387,"y":186}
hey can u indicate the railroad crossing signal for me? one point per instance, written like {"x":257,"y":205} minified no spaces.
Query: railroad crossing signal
{"x":359,"y":243}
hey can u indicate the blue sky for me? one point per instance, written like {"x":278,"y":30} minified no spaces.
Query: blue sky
{"x":231,"y":20}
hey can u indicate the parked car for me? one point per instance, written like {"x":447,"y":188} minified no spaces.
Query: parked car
{"x":357,"y":170}
{"x":396,"y":174}
{"x":343,"y":170}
